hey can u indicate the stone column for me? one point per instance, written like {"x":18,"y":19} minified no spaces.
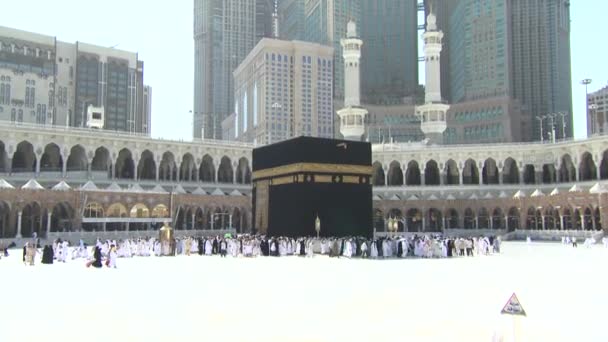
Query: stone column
{"x":193,"y":220}
{"x":212,"y":220}
{"x":561,"y":222}
{"x":38,"y":165}
{"x":422,"y":177}
{"x":157,"y":171}
{"x":481,"y":176}
{"x":215,"y":175}
{"x":423,"y":223}
{"x":64,"y":167}
{"x":19,"y":220}
{"x":507,"y":221}
{"x":598,"y":168}
{"x":90,"y":169}
{"x":230,"y":221}
{"x":9,"y":166}
{"x":233,"y":176}
{"x":104,"y":227}
{"x":460,"y":176}
{"x":542,"y":219}
{"x":476,"y":222}
{"x":443,"y":221}
{"x":442,"y":176}
{"x":500,"y":177}
{"x":491,"y":221}
{"x":49,"y":216}
{"x":577,"y":171}
{"x":521,"y":175}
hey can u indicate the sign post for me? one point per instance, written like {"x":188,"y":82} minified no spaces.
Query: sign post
{"x":513,"y":308}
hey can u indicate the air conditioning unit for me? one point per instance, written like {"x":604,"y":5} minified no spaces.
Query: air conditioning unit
{"x":95,"y":117}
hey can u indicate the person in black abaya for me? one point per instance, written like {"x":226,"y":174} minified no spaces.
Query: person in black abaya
{"x":97,"y":262}
{"x":302,"y":248}
{"x":215,"y":247}
{"x":47,"y":255}
{"x":201,"y":246}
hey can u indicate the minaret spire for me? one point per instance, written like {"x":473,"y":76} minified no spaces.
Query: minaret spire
{"x":352,"y":116}
{"x":433,"y":113}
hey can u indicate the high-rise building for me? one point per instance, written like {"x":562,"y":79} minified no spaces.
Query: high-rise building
{"x":291,"y":19}
{"x":323,"y":22}
{"x":510,"y":50}
{"x":597,"y":112}
{"x":390,"y":54}
{"x":53,"y":82}
{"x":147,"y":117}
{"x":283,"y":89}
{"x":225,"y":31}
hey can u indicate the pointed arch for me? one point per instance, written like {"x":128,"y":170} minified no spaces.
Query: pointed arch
{"x":567,"y":172}
{"x":77,"y":160}
{"x":62,"y":217}
{"x":243,"y":172}
{"x":225,"y":172}
{"x":187,"y":169}
{"x":51,"y":160}
{"x":470,"y":173}
{"x":24,"y":159}
{"x":146,"y":169}
{"x":549,"y":174}
{"x":510,"y":172}
{"x":378,"y":178}
{"x":101,"y":160}
{"x":207,"y":170}
{"x":490,"y":172}
{"x":604,"y":165}
{"x":529,"y":174}
{"x":435,"y":220}
{"x":431,"y":174}
{"x":414,"y":220}
{"x":395,"y":174}
{"x":31,"y":220}
{"x":452,"y":219}
{"x":483,"y":219}
{"x":513,"y":218}
{"x":168,"y":167}
{"x":125,"y":166}
{"x":498,"y":221}
{"x":469,"y":219}
{"x":452,"y":173}
{"x":412,"y":175}
{"x":587,"y":168}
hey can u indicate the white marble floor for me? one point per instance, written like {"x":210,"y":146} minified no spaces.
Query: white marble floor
{"x":562,"y":289}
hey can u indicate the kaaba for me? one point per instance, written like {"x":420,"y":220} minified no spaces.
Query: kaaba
{"x":298,"y":180}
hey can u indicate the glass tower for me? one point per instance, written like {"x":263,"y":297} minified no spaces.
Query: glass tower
{"x":390,"y":50}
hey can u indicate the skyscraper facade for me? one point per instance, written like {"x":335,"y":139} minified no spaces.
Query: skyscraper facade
{"x":517,"y":51}
{"x":225,"y":31}
{"x":54,"y":82}
{"x":323,"y":22}
{"x":283,"y":89}
{"x":390,"y":52}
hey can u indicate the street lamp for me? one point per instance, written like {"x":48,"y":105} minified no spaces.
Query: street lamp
{"x":540,"y":119}
{"x":563,"y":115}
{"x":586,"y":82}
{"x":318,"y":225}
{"x":592,"y":108}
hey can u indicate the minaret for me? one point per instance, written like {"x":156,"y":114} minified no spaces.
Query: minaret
{"x":352,"y":116}
{"x":433,"y":113}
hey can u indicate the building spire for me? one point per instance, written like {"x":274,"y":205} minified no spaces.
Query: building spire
{"x":352,"y":116}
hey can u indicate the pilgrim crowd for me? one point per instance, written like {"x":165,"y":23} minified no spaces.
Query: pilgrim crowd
{"x":417,"y":246}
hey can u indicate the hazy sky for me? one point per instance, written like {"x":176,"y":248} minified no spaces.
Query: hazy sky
{"x":161,"y":32}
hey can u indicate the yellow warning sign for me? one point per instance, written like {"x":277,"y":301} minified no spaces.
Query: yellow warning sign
{"x":513,"y":307}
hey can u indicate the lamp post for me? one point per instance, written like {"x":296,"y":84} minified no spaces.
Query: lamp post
{"x":540,"y":120}
{"x":318,"y":225}
{"x":586,"y":82}
{"x":594,"y":128}
{"x":563,"y":115}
